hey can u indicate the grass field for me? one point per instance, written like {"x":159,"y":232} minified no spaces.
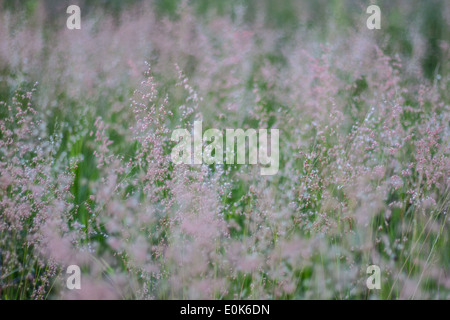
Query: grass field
{"x":87,"y":178}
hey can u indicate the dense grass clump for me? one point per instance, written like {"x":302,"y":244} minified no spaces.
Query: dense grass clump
{"x":87,"y":178}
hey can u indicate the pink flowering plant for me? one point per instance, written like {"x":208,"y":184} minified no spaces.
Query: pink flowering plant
{"x":87,"y":176}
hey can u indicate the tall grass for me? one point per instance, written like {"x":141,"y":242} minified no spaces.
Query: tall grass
{"x":86,"y":176}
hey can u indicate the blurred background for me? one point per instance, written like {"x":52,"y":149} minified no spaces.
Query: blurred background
{"x":400,"y":18}
{"x":364,"y":150}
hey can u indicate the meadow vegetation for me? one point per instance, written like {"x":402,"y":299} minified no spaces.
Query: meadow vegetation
{"x":86,"y":176}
